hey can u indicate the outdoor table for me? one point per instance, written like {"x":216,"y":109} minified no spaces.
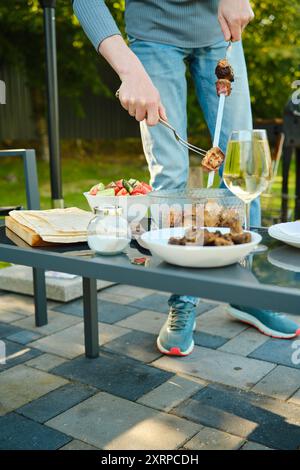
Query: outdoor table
{"x":254,"y":282}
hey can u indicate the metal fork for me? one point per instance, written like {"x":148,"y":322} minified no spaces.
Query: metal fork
{"x":183,"y":142}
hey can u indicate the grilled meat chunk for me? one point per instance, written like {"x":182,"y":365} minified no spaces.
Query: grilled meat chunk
{"x":224,"y":70}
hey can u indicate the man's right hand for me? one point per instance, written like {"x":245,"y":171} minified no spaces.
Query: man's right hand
{"x":137,"y":93}
{"x":140,"y":98}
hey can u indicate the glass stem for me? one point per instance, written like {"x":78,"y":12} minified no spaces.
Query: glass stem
{"x":247,"y":215}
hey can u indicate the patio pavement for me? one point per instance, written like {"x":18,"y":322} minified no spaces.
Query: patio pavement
{"x":238,"y":390}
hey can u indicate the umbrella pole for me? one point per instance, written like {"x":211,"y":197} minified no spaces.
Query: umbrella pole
{"x":52,"y":102}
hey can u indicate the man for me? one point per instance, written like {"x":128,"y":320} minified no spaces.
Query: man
{"x":165,"y":37}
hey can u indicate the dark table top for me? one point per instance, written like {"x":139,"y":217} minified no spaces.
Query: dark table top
{"x":268,"y":280}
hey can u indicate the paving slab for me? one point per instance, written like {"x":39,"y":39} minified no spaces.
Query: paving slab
{"x":146,"y":320}
{"x":217,"y":366}
{"x":295,"y":398}
{"x":213,"y":439}
{"x":108,"y":312}
{"x":57,"y":322}
{"x":56,"y":402}
{"x":7,"y":329}
{"x":119,"y":375}
{"x":257,"y":418}
{"x":136,"y":344}
{"x":75,"y":444}
{"x":69,"y":343}
{"x":218,"y":322}
{"x":156,"y":302}
{"x":17,"y":354}
{"x":19,"y":279}
{"x":113,"y":423}
{"x":245,"y":342}
{"x":254,"y":446}
{"x":208,"y":341}
{"x":24,"y":336}
{"x":15,"y":303}
{"x":9,"y":317}
{"x":20,"y":433}
{"x":171,"y":393}
{"x":280,"y":383}
{"x":131,"y":291}
{"x":46,"y":362}
{"x":115,"y":298}
{"x":20,"y":385}
{"x":279,"y":351}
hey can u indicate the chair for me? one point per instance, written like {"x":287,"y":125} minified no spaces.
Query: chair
{"x":33,"y":203}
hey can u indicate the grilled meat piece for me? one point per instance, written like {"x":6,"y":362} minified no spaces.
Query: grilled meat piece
{"x":224,"y":70}
{"x":213,"y":159}
{"x":239,"y":238}
{"x":223,"y":87}
{"x":177,"y":241}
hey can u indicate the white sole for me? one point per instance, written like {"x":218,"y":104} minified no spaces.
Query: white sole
{"x":168,"y":352}
{"x":247,"y":318}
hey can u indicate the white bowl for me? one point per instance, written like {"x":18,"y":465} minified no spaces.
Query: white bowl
{"x":134,"y":207}
{"x":196,"y":256}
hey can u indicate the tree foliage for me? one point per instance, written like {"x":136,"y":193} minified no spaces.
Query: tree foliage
{"x":272,"y":46}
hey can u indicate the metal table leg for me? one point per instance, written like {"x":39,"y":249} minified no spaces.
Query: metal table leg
{"x":40,"y":299}
{"x":297,"y":206}
{"x":286,"y":162}
{"x":90,"y":317}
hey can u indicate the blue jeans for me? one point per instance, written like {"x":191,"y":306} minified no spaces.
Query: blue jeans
{"x":166,"y":65}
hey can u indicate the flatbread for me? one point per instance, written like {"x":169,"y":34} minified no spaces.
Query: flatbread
{"x":56,"y":225}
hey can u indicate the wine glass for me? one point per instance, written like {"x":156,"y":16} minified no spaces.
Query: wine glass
{"x":248,"y":166}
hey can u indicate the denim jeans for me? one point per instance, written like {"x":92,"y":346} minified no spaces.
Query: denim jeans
{"x":166,"y":65}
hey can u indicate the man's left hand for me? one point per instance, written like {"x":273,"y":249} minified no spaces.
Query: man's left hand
{"x":234,"y":15}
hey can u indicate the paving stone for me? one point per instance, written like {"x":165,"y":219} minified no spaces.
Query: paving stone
{"x":57,"y":322}
{"x":9,"y":317}
{"x":204,"y":307}
{"x":280,"y":383}
{"x":108,"y":312}
{"x":131,"y":291}
{"x":113,"y":423}
{"x":171,"y":393}
{"x":217,"y":366}
{"x":19,"y":279}
{"x":56,"y":402}
{"x":278,"y":351}
{"x":254,"y":446}
{"x":146,"y":320}
{"x":208,"y":341}
{"x":24,"y":336}
{"x":244,"y":343}
{"x":19,"y":433}
{"x":136,"y":344}
{"x":45,"y":362}
{"x":295,"y":398}
{"x":75,"y":444}
{"x":15,"y":303}
{"x":257,"y":418}
{"x":121,"y":376}
{"x":213,"y":439}
{"x":17,"y":354}
{"x":115,"y":298}
{"x":156,"y":302}
{"x":69,"y":343}
{"x":20,"y":385}
{"x":218,"y":322}
{"x":7,"y":329}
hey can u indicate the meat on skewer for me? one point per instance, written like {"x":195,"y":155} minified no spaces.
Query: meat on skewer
{"x":223,"y":87}
{"x":224,"y":70}
{"x":213,"y":159}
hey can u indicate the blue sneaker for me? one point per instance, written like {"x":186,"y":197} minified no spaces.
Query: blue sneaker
{"x":176,"y":336}
{"x":267,"y":322}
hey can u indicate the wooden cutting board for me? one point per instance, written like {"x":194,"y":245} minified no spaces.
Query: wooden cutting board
{"x":27,"y":234}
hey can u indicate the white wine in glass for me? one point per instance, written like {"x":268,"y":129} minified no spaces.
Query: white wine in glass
{"x":248,"y":167}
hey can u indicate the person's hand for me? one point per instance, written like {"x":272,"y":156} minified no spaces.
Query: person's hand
{"x":140,"y":98}
{"x":234,"y":15}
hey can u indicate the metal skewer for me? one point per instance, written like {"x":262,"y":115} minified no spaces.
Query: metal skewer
{"x":220,"y":113}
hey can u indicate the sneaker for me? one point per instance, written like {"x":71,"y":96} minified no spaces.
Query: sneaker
{"x":176,"y":336}
{"x":267,"y":322}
